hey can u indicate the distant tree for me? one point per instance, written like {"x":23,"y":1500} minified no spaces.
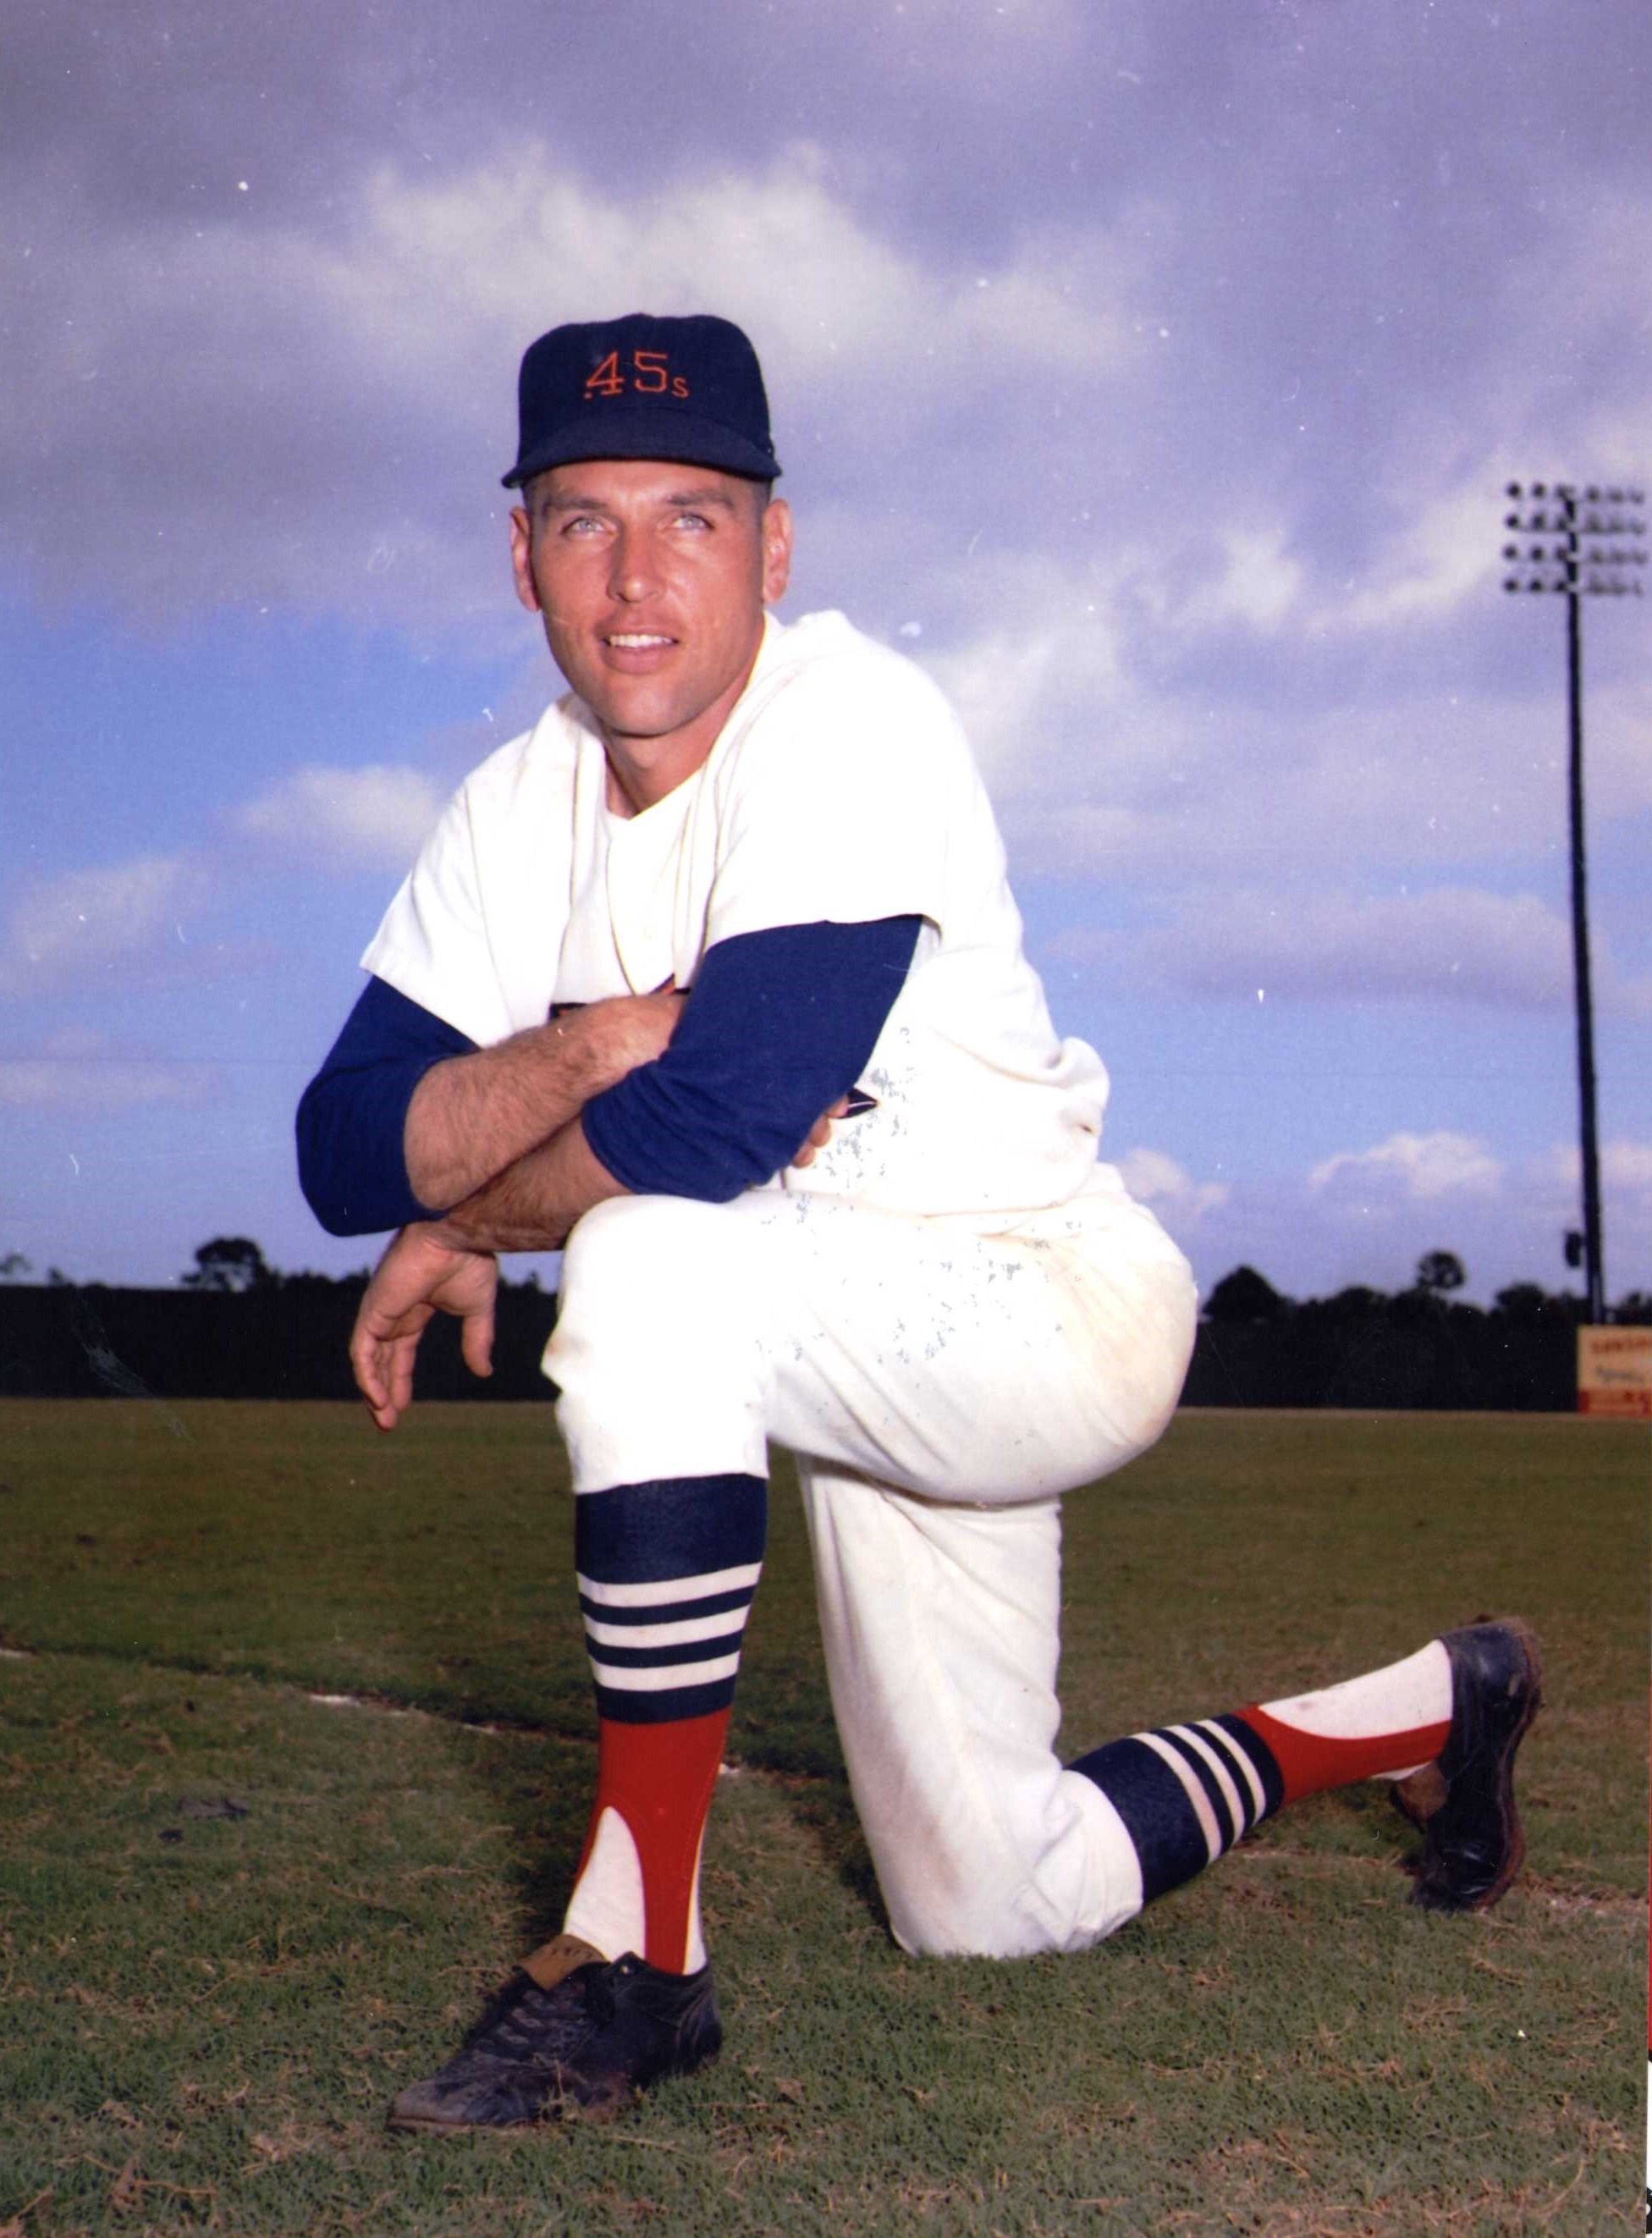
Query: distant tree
{"x":56,"y":1279}
{"x":1357,"y":1303}
{"x":530,"y":1281}
{"x":1438,"y":1272}
{"x":229,"y":1262}
{"x":1634,"y":1309}
{"x":1528,"y":1306}
{"x":13,"y":1266}
{"x":1245,"y":1295}
{"x":307,"y":1282}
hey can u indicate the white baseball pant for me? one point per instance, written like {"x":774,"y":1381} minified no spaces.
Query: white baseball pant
{"x":941,"y":1381}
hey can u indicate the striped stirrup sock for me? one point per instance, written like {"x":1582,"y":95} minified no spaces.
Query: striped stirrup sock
{"x":666,"y":1570}
{"x":1187,"y":1793}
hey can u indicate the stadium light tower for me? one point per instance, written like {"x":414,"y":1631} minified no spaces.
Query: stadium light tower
{"x":1580,"y":542}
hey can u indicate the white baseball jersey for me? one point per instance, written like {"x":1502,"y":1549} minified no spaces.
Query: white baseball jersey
{"x":840,"y":789}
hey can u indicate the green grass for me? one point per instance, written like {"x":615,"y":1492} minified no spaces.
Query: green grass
{"x":204,"y":2016}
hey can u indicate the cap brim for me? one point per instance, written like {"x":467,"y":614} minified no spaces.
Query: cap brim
{"x":639,"y":433}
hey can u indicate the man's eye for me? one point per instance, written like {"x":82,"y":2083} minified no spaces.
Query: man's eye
{"x":581,"y":524}
{"x":691,"y":520}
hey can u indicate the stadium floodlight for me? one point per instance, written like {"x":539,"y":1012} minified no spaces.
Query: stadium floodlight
{"x":1579,"y":541}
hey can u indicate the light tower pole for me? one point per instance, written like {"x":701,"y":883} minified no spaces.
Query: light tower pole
{"x":1582,"y":543}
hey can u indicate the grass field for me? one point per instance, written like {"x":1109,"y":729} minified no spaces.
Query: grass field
{"x":236,"y":1918}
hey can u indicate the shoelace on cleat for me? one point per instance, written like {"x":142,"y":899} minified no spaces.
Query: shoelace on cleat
{"x":525,"y":2022}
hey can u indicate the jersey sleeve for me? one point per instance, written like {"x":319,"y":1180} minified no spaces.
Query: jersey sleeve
{"x":351,"y":1165}
{"x":779,"y":1025}
{"x":837,"y":808}
{"x":432,"y":945}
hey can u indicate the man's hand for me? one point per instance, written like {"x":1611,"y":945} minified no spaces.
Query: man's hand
{"x":416,"y":1277}
{"x":821,"y":1133}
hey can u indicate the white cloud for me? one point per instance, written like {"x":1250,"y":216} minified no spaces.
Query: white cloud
{"x":78,"y":1069}
{"x":1135,"y":631}
{"x":1626,"y":1166}
{"x":1444,"y":553}
{"x":1455,"y":944}
{"x":1547,"y":388}
{"x":1260,"y":584}
{"x":1155,"y":1178}
{"x":361,"y":378}
{"x":1037,"y":662}
{"x":1084,"y":839}
{"x":1550,"y":1193}
{"x":1124,"y":731}
{"x":780,"y":250}
{"x":99,"y":1083}
{"x":87,"y":922}
{"x":376,"y":816}
{"x":1617,"y":767}
{"x":1001,"y":685}
{"x":1429,"y":1167}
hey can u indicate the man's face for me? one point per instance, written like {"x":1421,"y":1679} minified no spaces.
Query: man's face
{"x":651,"y":579}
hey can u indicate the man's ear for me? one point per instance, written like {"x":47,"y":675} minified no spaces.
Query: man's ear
{"x":522,"y":558}
{"x":776,"y":550}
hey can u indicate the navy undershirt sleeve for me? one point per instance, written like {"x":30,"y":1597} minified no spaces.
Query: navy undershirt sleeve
{"x":352,"y":1166}
{"x":777,"y":1027}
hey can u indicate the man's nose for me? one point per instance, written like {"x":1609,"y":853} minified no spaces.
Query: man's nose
{"x":634,"y":574}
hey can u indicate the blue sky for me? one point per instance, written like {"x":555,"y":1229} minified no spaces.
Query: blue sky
{"x":1150,"y":372}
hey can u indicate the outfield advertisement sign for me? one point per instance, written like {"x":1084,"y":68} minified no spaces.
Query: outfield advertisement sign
{"x":1615,"y":1371}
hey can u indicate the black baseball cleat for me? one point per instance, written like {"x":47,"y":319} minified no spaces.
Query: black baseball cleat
{"x":1465,"y":1801}
{"x":580,"y":2049}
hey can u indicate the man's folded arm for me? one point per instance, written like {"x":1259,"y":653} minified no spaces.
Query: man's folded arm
{"x":352,"y":1118}
{"x":407,"y":1116}
{"x":779,"y":1026}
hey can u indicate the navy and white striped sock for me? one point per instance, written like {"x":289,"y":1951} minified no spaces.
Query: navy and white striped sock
{"x":1187,"y":1793}
{"x":666,"y":1570}
{"x":666,"y":1573}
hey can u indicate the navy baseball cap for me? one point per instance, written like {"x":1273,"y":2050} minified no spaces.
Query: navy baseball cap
{"x":642,"y":388}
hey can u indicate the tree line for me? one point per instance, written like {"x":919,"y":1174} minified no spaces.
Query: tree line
{"x":234,"y":1327}
{"x":1246,"y":1298}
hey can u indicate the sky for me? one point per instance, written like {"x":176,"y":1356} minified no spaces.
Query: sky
{"x":1150,"y":370}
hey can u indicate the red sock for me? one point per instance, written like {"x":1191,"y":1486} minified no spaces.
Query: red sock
{"x":1312,"y":1761}
{"x":666,"y":1570}
{"x":659,"y":1780}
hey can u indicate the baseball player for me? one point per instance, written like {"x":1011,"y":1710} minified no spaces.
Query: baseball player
{"x":714,"y":979}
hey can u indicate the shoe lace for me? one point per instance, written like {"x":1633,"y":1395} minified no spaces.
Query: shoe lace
{"x":523,"y":2022}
